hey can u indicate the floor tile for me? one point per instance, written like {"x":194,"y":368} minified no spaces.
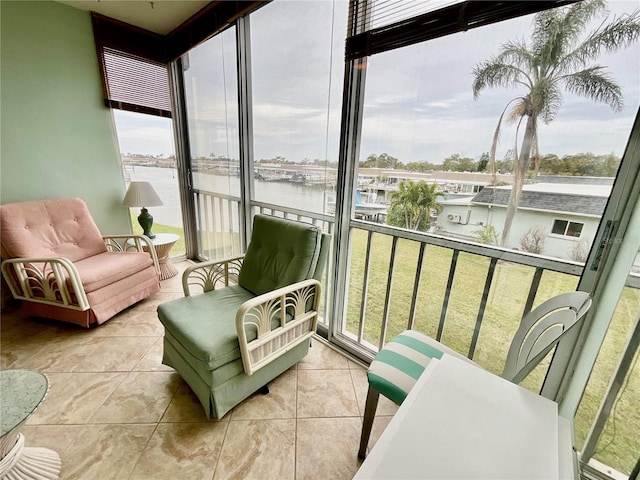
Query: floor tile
{"x":55,"y":437}
{"x":18,"y":355}
{"x":337,"y":458}
{"x":152,"y":360}
{"x":73,"y":398}
{"x":322,"y":357}
{"x":117,"y":354}
{"x":181,"y":451}
{"x":105,"y":452}
{"x":64,"y":355}
{"x":142,"y":397}
{"x":258,"y":449}
{"x":185,"y":407}
{"x":280,"y":402}
{"x":326,"y":393}
{"x":135,"y":322}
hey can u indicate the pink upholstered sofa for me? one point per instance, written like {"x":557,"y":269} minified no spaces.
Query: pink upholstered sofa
{"x":56,"y":261}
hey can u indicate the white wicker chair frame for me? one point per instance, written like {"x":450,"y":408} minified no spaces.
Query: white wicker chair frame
{"x":298,"y":321}
{"x":56,"y":281}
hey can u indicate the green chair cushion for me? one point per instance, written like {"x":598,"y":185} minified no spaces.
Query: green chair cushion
{"x":396,"y":368}
{"x":280,"y":253}
{"x":204,"y":324}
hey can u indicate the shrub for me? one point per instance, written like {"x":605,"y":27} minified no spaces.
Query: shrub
{"x":533,"y":240}
{"x":487,"y":235}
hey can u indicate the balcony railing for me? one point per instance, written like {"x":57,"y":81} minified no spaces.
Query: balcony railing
{"x":451,"y":266}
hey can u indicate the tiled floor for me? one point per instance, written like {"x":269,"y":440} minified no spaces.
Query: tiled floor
{"x":113,"y":411}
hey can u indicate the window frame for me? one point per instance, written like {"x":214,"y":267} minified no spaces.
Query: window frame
{"x":567,"y":228}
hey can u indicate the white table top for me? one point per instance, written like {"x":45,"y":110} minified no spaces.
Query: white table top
{"x":164,"y":238}
{"x":160,"y":239}
{"x":462,"y":422}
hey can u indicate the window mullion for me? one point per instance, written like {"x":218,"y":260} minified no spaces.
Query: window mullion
{"x":243,"y":45}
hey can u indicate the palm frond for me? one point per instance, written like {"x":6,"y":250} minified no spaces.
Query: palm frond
{"x":620,"y":33}
{"x":562,"y":32}
{"x":496,"y":139}
{"x":492,"y":152}
{"x":593,"y":83}
{"x":493,"y":74}
{"x":580,"y":15}
{"x":548,"y":39}
{"x":518,"y":111}
{"x":517,"y":53}
{"x":544,"y":27}
{"x":546,"y":99}
{"x":557,"y":31}
{"x":516,"y":156}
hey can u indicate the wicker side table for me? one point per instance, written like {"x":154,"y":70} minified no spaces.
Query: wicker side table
{"x":163,"y":243}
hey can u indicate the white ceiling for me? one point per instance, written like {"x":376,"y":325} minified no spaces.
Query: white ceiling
{"x":159,"y":16}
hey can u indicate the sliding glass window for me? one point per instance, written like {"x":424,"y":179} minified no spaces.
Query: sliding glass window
{"x":297,"y":57}
{"x":432,"y":244}
{"x":211,"y":85}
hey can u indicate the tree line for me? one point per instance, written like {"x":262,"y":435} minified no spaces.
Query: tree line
{"x":581,"y":164}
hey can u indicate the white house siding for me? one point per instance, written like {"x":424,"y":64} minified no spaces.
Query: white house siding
{"x":475,"y":217}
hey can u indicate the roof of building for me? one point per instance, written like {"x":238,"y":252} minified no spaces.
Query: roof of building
{"x":457,"y":201}
{"x":576,"y":199}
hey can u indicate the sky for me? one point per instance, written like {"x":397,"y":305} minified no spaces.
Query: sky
{"x":419,"y":104}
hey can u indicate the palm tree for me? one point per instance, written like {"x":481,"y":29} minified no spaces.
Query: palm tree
{"x":555,"y":59}
{"x":412,"y":204}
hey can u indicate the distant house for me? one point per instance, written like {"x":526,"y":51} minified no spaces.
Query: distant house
{"x":568,"y":214}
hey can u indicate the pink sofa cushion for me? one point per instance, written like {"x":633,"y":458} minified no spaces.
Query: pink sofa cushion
{"x":106,"y":268}
{"x":60,"y":227}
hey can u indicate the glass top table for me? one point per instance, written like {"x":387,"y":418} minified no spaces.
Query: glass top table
{"x":22,"y":392}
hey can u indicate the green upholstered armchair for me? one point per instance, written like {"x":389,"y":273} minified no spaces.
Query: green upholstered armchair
{"x":254,"y":317}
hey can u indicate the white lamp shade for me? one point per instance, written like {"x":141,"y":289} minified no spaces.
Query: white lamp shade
{"x":141,"y":194}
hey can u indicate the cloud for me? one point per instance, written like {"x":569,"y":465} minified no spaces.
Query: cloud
{"x":418,"y":101}
{"x":143,"y":133}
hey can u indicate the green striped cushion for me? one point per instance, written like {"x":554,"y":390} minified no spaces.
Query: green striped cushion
{"x":395,"y":369}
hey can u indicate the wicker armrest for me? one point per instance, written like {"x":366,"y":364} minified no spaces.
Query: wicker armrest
{"x":207,"y":275}
{"x":52,"y":281}
{"x":132,"y":243}
{"x":297,"y":323}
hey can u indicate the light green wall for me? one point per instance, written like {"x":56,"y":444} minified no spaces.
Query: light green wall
{"x":58,"y":139}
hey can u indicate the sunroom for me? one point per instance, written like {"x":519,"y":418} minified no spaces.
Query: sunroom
{"x":275,"y":107}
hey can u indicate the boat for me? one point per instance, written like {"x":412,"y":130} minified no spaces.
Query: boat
{"x":363,"y":210}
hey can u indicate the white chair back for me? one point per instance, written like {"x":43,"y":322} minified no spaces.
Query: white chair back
{"x":541,"y":330}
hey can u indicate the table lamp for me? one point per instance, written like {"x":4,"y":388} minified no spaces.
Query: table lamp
{"x":142,"y":194}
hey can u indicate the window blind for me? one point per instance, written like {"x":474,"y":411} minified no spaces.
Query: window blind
{"x":133,"y":67}
{"x":134,"y":62}
{"x":135,"y":84}
{"x":381,"y":25}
